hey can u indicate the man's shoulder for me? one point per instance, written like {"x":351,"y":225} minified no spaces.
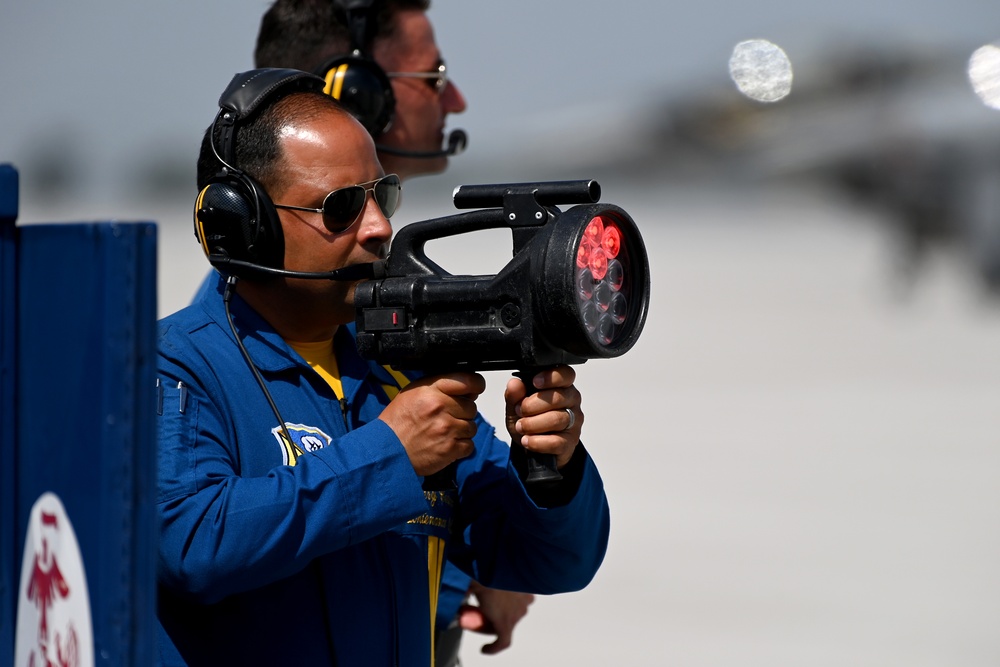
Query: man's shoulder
{"x":184,"y":321}
{"x":178,"y":331}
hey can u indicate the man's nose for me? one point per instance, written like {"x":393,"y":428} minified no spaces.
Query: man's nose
{"x":452,"y":99}
{"x":374,"y":224}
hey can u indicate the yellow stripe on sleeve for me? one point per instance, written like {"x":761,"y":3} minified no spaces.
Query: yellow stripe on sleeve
{"x":435,"y":564}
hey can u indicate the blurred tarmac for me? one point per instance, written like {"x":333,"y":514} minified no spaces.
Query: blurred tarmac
{"x":801,"y":453}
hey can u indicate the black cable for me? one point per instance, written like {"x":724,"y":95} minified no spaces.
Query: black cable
{"x":230,"y":284}
{"x":370,"y":270}
{"x":226,"y":295}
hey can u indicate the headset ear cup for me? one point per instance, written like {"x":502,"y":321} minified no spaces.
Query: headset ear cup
{"x":235,"y":219}
{"x":363,"y":88}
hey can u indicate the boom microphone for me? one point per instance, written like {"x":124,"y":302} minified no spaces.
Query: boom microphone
{"x":373,"y":270}
{"x":457,"y":141}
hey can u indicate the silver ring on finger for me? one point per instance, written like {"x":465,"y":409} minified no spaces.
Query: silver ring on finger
{"x":572,"y":418}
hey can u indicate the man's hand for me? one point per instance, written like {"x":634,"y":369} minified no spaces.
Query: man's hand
{"x":541,"y":422}
{"x":497,"y":614}
{"x":434,"y":418}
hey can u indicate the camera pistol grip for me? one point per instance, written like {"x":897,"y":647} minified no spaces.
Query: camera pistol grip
{"x":542,"y":468}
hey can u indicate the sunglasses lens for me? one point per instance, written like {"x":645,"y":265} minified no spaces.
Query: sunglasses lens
{"x":342,"y":207}
{"x":387,"y":194}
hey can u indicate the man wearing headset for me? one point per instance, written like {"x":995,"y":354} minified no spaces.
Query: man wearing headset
{"x":314,"y":541}
{"x":380,"y":59}
{"x":394,"y":38}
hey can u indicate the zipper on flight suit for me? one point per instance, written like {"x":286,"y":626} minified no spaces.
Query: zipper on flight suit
{"x":393,"y":601}
{"x":343,"y":412}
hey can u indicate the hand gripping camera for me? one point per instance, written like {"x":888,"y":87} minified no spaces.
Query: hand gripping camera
{"x":577,"y":288}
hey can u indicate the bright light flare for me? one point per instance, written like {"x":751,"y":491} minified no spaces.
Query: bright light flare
{"x":761,"y":70}
{"x":984,"y":74}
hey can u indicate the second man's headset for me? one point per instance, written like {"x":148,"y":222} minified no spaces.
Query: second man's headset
{"x":234,"y":218}
{"x":355,"y":79}
{"x":363,"y":87}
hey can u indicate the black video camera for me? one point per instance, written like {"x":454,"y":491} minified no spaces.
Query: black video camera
{"x":577,"y":288}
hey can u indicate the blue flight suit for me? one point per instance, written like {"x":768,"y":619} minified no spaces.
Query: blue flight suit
{"x":315,"y":552}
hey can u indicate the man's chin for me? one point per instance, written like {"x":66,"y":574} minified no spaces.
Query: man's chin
{"x":424,"y":166}
{"x":411,"y":167}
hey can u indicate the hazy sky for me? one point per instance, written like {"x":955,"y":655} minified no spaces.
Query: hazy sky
{"x":108,"y":85}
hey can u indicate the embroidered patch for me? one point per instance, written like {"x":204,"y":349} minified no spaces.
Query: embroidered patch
{"x":437,"y":519}
{"x":304,"y":439}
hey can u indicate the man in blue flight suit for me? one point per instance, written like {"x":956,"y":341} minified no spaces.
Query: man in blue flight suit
{"x":295,"y":526}
{"x":396,"y":48}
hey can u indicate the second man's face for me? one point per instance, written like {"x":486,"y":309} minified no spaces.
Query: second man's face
{"x":421,"y":110}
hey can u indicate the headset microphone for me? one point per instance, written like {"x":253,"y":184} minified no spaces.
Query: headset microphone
{"x":457,"y":141}
{"x":368,"y":271}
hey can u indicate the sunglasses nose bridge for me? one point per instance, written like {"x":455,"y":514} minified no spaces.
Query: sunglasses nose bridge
{"x":372,"y":222}
{"x":372,"y":197}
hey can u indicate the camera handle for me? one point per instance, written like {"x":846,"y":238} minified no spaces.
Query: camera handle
{"x":542,"y":468}
{"x":521,"y":207}
{"x":442,"y":480}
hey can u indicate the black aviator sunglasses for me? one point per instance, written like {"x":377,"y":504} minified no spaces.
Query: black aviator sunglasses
{"x":343,"y":207}
{"x":437,"y":80}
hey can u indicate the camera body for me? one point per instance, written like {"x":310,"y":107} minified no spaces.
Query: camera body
{"x":553,"y":303}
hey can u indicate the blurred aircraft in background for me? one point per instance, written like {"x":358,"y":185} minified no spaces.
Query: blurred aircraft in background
{"x":899,"y":130}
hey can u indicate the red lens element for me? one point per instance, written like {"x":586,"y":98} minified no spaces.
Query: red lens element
{"x":595,"y":231}
{"x":612,"y":241}
{"x":601,"y":241}
{"x":598,"y":263}
{"x":601,"y":280}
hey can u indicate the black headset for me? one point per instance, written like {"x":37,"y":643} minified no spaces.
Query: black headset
{"x":234,"y":218}
{"x":363,"y":87}
{"x":355,"y":79}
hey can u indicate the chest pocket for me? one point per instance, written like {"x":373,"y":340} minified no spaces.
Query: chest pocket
{"x":177,"y":423}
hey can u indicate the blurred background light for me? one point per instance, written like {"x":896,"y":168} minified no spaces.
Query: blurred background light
{"x":761,"y":70}
{"x":984,"y":74}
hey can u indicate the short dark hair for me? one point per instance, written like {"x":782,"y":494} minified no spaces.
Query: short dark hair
{"x":302,"y":34}
{"x":256,"y":140}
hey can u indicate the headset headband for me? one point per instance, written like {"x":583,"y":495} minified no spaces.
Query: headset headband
{"x":245,"y":94}
{"x":354,"y":78}
{"x":358,"y":14}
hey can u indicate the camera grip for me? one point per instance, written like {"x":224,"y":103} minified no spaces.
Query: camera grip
{"x":542,"y":468}
{"x":442,"y":480}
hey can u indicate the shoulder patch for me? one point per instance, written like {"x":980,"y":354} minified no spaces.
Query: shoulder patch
{"x":304,"y":439}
